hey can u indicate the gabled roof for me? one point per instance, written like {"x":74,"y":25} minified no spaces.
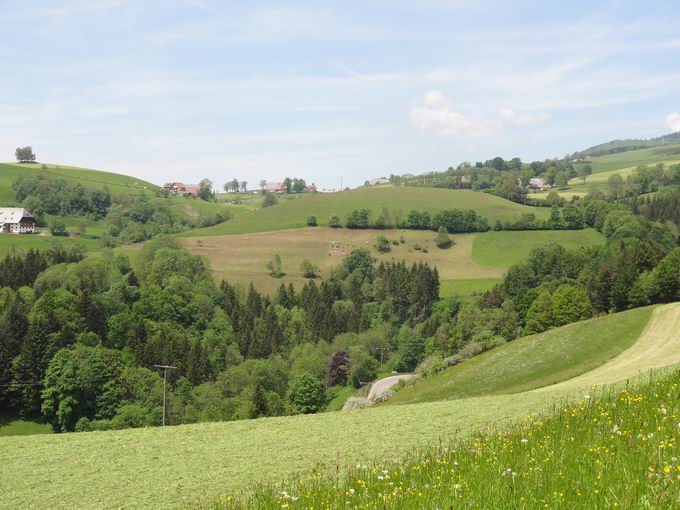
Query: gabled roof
{"x":13,"y":214}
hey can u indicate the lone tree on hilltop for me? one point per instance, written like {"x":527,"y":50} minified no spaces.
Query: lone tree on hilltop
{"x":25,"y":154}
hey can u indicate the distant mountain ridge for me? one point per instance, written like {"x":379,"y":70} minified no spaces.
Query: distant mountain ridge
{"x":630,"y":144}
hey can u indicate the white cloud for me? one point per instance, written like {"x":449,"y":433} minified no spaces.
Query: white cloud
{"x":523,"y":118}
{"x":673,"y":121}
{"x":436,"y":113}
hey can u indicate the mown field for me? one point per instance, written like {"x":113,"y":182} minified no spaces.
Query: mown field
{"x":616,"y":448}
{"x":475,"y":259}
{"x":180,"y":466}
{"x":293,"y":213}
{"x":533,"y":361}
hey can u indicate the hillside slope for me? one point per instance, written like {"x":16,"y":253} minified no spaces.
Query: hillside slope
{"x":534,"y":361}
{"x":294,"y":213}
{"x":175,"y":466}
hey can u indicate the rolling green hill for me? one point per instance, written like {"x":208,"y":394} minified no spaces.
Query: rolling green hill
{"x":120,"y":187}
{"x":176,"y":467}
{"x":533,"y":361}
{"x":294,"y":213}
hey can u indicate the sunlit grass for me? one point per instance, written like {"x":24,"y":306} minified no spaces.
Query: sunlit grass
{"x":611,"y":449}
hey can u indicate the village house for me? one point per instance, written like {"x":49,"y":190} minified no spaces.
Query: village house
{"x":537,"y":183}
{"x":181,"y":189}
{"x":16,"y":220}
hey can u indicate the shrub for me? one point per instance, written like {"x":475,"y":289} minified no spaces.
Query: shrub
{"x":309,"y":269}
{"x":382,"y":396}
{"x":354,"y":403}
{"x":334,"y":221}
{"x":275,"y":268}
{"x":269,"y":199}
{"x":442,"y":239}
{"x":311,"y":221}
{"x":382,"y":244}
{"x":57,"y":227}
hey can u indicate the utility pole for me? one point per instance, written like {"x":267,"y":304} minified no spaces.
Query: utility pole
{"x":340,"y":183}
{"x":165,"y":379}
{"x":382,"y":351}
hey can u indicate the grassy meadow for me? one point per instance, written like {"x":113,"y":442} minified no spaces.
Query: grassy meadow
{"x":533,"y":361}
{"x":14,"y":426}
{"x":293,"y":213}
{"x":179,"y":466}
{"x":614,"y":449}
{"x":503,"y":249}
{"x":24,"y":242}
{"x":475,"y":261}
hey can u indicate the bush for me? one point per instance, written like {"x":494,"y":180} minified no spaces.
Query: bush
{"x":382,"y":396}
{"x":442,"y":239}
{"x":382,"y":244}
{"x":309,"y":269}
{"x":334,"y":221}
{"x":275,"y":268}
{"x":269,"y":199}
{"x":354,"y":403}
{"x":57,"y":227}
{"x":311,"y":221}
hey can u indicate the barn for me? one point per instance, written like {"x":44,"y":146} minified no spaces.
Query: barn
{"x":16,"y":220}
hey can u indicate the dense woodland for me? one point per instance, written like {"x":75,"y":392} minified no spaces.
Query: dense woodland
{"x":80,"y":336}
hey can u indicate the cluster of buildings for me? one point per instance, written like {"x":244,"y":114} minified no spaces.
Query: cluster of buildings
{"x":16,"y":220}
{"x":180,"y":189}
{"x":280,"y":187}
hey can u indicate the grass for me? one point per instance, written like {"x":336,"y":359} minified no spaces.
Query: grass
{"x":25,"y":242}
{"x":339,"y":400}
{"x":465,"y":287}
{"x":293,"y":213}
{"x":533,"y":361}
{"x":475,"y":258}
{"x":177,"y":466}
{"x":618,"y":449}
{"x":14,"y":426}
{"x":503,"y":249}
{"x":242,"y":258}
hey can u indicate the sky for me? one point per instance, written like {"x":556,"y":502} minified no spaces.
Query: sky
{"x":184,"y":89}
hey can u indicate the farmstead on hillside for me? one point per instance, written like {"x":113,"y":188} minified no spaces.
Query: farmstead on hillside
{"x":16,"y":220}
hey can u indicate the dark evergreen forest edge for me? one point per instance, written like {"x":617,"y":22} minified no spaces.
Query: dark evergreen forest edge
{"x":80,"y":335}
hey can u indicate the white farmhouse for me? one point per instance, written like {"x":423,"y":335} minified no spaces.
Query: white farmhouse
{"x":16,"y":220}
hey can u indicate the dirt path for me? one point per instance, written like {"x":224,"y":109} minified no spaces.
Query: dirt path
{"x":386,"y":383}
{"x":657,"y":347}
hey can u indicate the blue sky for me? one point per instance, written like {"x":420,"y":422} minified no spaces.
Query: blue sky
{"x":185,"y":89}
